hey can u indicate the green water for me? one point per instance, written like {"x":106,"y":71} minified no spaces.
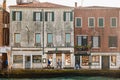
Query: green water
{"x":68,"y":78}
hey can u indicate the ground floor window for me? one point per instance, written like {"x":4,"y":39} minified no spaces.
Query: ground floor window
{"x":50,"y":57}
{"x":113,"y":60}
{"x":95,"y":60}
{"x":67,"y":59}
{"x":37,"y":58}
{"x":85,"y":60}
{"x":17,"y":59}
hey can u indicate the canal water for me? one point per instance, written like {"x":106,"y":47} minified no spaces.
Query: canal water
{"x":67,"y":78}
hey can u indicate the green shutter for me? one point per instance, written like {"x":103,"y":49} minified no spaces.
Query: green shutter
{"x":64,"y":16}
{"x":92,"y":41}
{"x":52,"y":16}
{"x":71,"y":16}
{"x":34,"y":16}
{"x":98,"y":41}
{"x":13,"y":15}
{"x":20,"y":15}
{"x":41,"y":16}
{"x":46,"y":16}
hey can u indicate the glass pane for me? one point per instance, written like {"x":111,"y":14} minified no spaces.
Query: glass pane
{"x":100,"y":21}
{"x":91,"y":22}
{"x":68,"y":38}
{"x":38,"y":38}
{"x":37,"y":58}
{"x":85,"y":60}
{"x":113,"y":21}
{"x":67,"y":59}
{"x":17,"y":59}
{"x":17,"y":38}
{"x":79,"y":40}
{"x":50,"y":38}
{"x":95,"y":41}
{"x":112,"y":41}
{"x":67,"y":16}
{"x":17,"y":16}
{"x":78,"y":21}
{"x":37,"y":16}
{"x":113,"y":60}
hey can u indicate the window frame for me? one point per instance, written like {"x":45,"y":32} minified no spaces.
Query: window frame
{"x":47,"y":16}
{"x":93,"y":22}
{"x":36,"y":37}
{"x":103,"y":22}
{"x":37,"y":58}
{"x":109,"y":45}
{"x":16,"y":37}
{"x":15,"y":16}
{"x":47,"y":38}
{"x":35,"y":16}
{"x":115,"y":60}
{"x":97,"y":61}
{"x":70,"y":16}
{"x":94,"y":41}
{"x":17,"y":58}
{"x":77,"y":21}
{"x":111,"y":25}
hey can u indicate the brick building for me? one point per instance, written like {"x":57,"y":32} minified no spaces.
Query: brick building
{"x":97,"y":37}
{"x":4,"y":34}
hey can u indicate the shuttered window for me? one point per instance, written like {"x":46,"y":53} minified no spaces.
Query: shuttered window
{"x":78,"y":22}
{"x":37,"y":38}
{"x":113,"y":22}
{"x":95,"y":41}
{"x":37,"y":16}
{"x":17,"y":15}
{"x":49,"y":16}
{"x":91,"y":22}
{"x":82,"y":40}
{"x":68,"y":16}
{"x":101,"y":22}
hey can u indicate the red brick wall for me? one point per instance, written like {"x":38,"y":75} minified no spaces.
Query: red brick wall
{"x":105,"y":32}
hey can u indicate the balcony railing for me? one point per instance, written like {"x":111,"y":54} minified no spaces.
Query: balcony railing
{"x":82,"y":48}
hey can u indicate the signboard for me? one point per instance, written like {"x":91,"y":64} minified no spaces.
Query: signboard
{"x":4,"y":49}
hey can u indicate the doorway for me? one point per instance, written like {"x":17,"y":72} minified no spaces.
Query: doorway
{"x":27,"y":62}
{"x":105,"y":62}
{"x":4,"y":59}
{"x":77,"y":60}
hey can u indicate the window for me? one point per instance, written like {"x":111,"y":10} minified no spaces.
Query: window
{"x":50,"y":38}
{"x":17,"y":16}
{"x":67,"y":59}
{"x":82,"y":40}
{"x":113,"y":41}
{"x":67,"y":39}
{"x":37,"y":16}
{"x":78,"y":22}
{"x":37,"y":38}
{"x":17,"y":59}
{"x":101,"y":22}
{"x":85,"y":60}
{"x":37,"y":58}
{"x":91,"y":22}
{"x":113,"y":60}
{"x":95,"y":60}
{"x":17,"y":37}
{"x":95,"y":41}
{"x":113,"y":22}
{"x":68,"y":16}
{"x":49,"y":16}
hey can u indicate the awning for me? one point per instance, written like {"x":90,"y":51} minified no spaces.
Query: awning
{"x":82,"y":53}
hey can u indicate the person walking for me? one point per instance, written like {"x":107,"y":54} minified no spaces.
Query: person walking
{"x":59,"y":64}
{"x":49,"y":63}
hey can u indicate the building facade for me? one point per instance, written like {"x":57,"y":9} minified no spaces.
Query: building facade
{"x":4,"y":35}
{"x":40,"y":32}
{"x":97,"y":37}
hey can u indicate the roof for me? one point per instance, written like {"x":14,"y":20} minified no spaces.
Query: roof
{"x":40,"y":5}
{"x":98,"y":7}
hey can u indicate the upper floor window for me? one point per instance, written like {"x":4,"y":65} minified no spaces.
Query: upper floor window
{"x":67,"y":39}
{"x":113,"y":22}
{"x":101,"y":22}
{"x":17,"y":37}
{"x":49,"y":16}
{"x":37,"y":38}
{"x":95,"y":41}
{"x":17,"y":15}
{"x":113,"y":41}
{"x":68,"y":16}
{"x":50,"y":38}
{"x":82,"y":40}
{"x":37,"y":16}
{"x":91,"y":22}
{"x":78,"y":22}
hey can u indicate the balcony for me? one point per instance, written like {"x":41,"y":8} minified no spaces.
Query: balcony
{"x":50,"y":45}
{"x":82,"y":48}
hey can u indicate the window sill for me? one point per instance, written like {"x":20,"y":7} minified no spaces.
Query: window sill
{"x":112,"y":47}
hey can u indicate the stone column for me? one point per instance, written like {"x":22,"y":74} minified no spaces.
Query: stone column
{"x":54,"y":60}
{"x":31,"y":61}
{"x":72,"y":60}
{"x":23,"y":61}
{"x":63,"y":60}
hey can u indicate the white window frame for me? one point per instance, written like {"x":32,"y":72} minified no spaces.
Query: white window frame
{"x":103,"y":22}
{"x":97,"y":41}
{"x":111,"y":22}
{"x":40,"y":37}
{"x":93,"y":23}
{"x":76,"y":22}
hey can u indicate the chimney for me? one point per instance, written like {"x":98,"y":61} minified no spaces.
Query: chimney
{"x":4,"y":4}
{"x":75,"y":4}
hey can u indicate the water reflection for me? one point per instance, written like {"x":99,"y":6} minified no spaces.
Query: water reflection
{"x":67,"y":78}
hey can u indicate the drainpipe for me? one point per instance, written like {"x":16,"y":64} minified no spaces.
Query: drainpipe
{"x":43,"y":28}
